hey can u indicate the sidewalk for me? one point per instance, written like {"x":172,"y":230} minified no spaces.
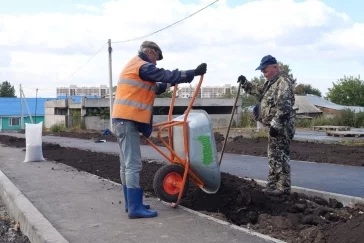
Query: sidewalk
{"x":85,"y":209}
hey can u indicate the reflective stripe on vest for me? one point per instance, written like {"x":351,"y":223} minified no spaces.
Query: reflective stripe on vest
{"x":134,"y":97}
{"x":137,"y":84}
{"x":133,"y":103}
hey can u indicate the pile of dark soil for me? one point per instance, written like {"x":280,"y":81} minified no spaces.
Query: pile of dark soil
{"x":300,"y":150}
{"x":87,"y":135}
{"x":293,"y":218}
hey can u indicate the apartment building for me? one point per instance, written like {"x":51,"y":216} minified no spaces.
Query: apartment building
{"x":74,"y":90}
{"x":208,"y":91}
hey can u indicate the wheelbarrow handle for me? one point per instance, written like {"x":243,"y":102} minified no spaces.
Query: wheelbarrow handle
{"x":231,"y":119}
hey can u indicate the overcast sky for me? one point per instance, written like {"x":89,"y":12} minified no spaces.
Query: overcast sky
{"x":43,"y":42}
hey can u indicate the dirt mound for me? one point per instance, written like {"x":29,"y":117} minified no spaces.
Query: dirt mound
{"x":12,"y":141}
{"x":302,"y":151}
{"x":293,"y":218}
{"x":87,"y":135}
{"x":219,"y":138}
{"x":348,"y":232}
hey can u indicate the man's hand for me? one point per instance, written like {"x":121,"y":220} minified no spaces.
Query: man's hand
{"x":201,"y":69}
{"x":273,"y":132}
{"x":242,"y":79}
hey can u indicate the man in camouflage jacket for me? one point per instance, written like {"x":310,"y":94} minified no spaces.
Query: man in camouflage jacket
{"x":275,"y":110}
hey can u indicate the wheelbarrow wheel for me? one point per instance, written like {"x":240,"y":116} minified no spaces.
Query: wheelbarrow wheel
{"x":165,"y":181}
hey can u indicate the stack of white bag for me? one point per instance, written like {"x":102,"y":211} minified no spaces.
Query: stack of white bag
{"x":33,"y":141}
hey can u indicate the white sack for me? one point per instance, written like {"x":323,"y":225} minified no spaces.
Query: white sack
{"x":33,"y":141}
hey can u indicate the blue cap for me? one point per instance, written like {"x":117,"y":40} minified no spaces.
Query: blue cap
{"x":267,"y":60}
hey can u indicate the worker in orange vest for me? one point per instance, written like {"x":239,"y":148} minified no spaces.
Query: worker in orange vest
{"x":139,"y":82}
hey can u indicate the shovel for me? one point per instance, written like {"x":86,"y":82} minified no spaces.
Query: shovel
{"x":231,"y":119}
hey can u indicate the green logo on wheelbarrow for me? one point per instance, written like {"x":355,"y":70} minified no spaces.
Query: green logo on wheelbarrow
{"x":206,"y":149}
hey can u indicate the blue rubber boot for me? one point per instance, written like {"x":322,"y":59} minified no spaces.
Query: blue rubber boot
{"x":136,"y":208}
{"x":126,"y":200}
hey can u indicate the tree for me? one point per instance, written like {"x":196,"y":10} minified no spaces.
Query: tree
{"x":249,"y":100}
{"x":258,"y":80}
{"x":167,"y":94}
{"x":229,"y":93}
{"x":347,"y":91}
{"x":303,"y":89}
{"x":7,"y":90}
{"x":261,"y":79}
{"x":284,"y":67}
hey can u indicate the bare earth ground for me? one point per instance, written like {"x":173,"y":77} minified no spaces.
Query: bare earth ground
{"x":300,"y":150}
{"x":9,"y":230}
{"x":293,"y":218}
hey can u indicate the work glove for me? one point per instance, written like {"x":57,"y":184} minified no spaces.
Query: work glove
{"x":201,"y":69}
{"x":273,"y":132}
{"x":242,"y":79}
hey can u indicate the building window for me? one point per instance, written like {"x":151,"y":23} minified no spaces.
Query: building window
{"x":14,"y":121}
{"x":60,"y":111}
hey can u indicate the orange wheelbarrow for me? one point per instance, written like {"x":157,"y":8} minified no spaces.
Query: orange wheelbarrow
{"x":192,"y":153}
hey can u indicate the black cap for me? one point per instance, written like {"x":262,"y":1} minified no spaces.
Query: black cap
{"x":267,"y":60}
{"x":153,"y":46}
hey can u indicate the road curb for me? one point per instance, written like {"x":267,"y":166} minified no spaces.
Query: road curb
{"x":346,"y":200}
{"x":32,"y":223}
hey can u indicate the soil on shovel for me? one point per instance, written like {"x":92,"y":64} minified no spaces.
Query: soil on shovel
{"x":300,"y":150}
{"x":293,"y":218}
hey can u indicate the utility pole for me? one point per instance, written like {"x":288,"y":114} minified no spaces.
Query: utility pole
{"x":26,"y":104}
{"x":110,"y":83}
{"x":21,"y":108}
{"x":36,"y":104}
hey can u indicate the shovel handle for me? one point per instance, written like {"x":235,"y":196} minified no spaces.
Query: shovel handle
{"x":231,"y":119}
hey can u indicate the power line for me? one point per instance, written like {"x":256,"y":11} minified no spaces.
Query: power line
{"x":85,"y":63}
{"x":179,"y":21}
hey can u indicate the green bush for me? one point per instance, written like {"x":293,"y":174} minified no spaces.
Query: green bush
{"x":346,"y":118}
{"x":325,"y":121}
{"x":58,"y":128}
{"x":247,"y":119}
{"x":304,"y":123}
{"x":359,"y":121}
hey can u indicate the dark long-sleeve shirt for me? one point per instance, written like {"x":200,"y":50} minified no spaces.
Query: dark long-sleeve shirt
{"x":162,"y":77}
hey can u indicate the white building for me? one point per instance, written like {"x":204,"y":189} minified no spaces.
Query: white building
{"x":73,"y":90}
{"x":208,"y":91}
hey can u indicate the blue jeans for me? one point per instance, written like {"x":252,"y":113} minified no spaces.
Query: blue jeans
{"x":128,"y":138}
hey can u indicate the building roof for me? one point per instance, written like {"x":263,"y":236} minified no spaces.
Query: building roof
{"x":305,"y":106}
{"x":12,"y":106}
{"x":319,"y":101}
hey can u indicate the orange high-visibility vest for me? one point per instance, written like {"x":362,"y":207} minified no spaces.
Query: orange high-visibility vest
{"x":134,"y":97}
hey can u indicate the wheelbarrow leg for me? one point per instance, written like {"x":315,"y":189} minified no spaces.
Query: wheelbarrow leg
{"x":182,"y":186}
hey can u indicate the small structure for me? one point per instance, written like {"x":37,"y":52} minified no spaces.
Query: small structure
{"x":15,"y":112}
{"x":329,"y":107}
{"x":306,"y":109}
{"x":94,"y":113}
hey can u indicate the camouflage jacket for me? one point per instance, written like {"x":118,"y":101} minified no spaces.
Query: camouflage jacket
{"x":276,"y":99}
